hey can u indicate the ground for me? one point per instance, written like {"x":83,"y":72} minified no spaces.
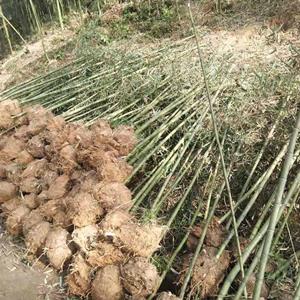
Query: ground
{"x":18,"y":281}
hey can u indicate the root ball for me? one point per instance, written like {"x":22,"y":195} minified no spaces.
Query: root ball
{"x":139,"y":277}
{"x":7,"y":191}
{"x":36,"y":236}
{"x":85,"y":237}
{"x":78,"y":280}
{"x":113,"y":195}
{"x":208,"y":271}
{"x":57,"y":248}
{"x":126,"y":139}
{"x":14,"y":221}
{"x":104,"y":254}
{"x":107,"y":284}
{"x":83,"y":210}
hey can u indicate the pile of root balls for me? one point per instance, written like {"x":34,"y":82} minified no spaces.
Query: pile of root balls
{"x":62,"y":189}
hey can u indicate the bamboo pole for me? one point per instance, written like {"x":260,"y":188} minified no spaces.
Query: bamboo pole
{"x":276,"y":208}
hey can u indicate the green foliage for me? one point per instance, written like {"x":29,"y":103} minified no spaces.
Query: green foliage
{"x":120,"y":29}
{"x":158,"y":18}
{"x":91,"y":36}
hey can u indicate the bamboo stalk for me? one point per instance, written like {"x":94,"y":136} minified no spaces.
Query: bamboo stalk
{"x":6,"y":30}
{"x":59,"y":12}
{"x":276,"y":208}
{"x":214,"y":121}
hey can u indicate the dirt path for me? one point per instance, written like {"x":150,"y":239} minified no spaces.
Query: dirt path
{"x":21,"y":282}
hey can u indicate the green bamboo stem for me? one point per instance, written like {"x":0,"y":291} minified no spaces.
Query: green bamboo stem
{"x":258,"y":183}
{"x":201,"y":239}
{"x":214,"y":121}
{"x":292,"y":205}
{"x":59,"y":12}
{"x":260,"y":154}
{"x":249,"y":272}
{"x":297,"y":285}
{"x":256,"y":239}
{"x":252,"y":201}
{"x":276,"y":208}
{"x":6,"y":30}
{"x":190,"y":186}
{"x":38,"y":24}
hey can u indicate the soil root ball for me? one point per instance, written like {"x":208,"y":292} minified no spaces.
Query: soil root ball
{"x":142,"y":240}
{"x":104,"y":254}
{"x":57,"y":248}
{"x":101,"y":127}
{"x":31,"y":201}
{"x":115,"y":220}
{"x":59,"y":187}
{"x":107,"y":284}
{"x":14,"y":222}
{"x":114,"y":170}
{"x":85,"y":237}
{"x":83,"y":210}
{"x":36,"y":147}
{"x":8,"y":206}
{"x":113,"y":195}
{"x":38,"y":118}
{"x":79,"y":134}
{"x":36,"y":236}
{"x":50,"y":209}
{"x":78,"y":280}
{"x":24,"y":157}
{"x":7,"y":191}
{"x":13,"y":173}
{"x":12,"y":148}
{"x":35,"y":168}
{"x":126,"y":139}
{"x":139,"y":277}
{"x":167,"y":296}
{"x":250,"y":285}
{"x":8,"y":110}
{"x":208,"y":272}
{"x":31,"y":220}
{"x":215,"y":235}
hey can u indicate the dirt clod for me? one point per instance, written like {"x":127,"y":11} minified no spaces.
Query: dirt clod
{"x":113,"y":195}
{"x":139,"y":277}
{"x":57,"y":248}
{"x":7,"y":191}
{"x":79,"y":278}
{"x":107,"y":284}
{"x":208,"y":271}
{"x":215,"y":235}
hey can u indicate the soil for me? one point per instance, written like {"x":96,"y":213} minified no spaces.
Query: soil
{"x":31,"y":58}
{"x":32,"y":282}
